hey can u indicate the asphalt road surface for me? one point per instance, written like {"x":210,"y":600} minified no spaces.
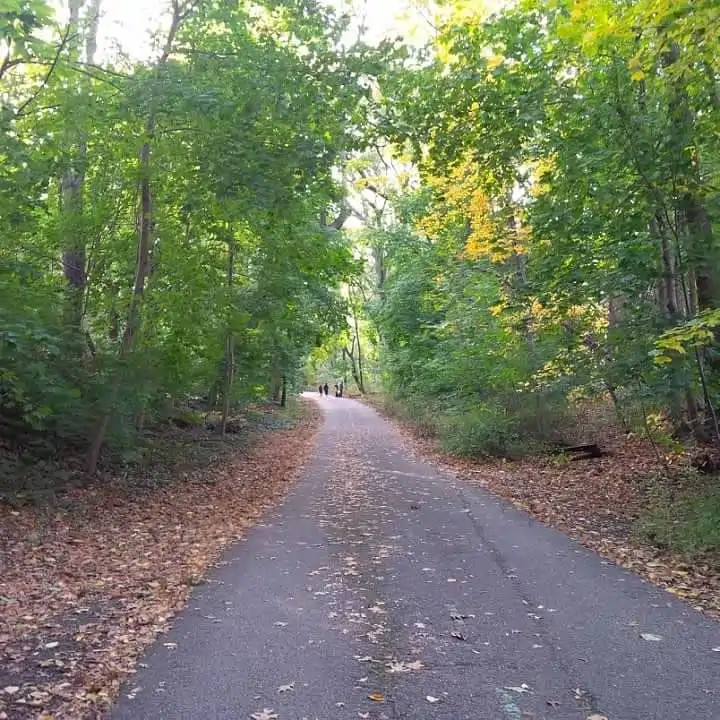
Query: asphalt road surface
{"x":383,"y":588}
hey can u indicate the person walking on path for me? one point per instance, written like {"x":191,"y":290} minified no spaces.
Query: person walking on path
{"x":320,"y":390}
{"x":325,"y":387}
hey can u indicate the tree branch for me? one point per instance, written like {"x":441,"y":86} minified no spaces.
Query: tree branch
{"x":48,"y":74}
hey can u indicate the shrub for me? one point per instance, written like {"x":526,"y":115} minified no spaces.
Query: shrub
{"x":689,"y":524}
{"x":414,"y":411}
{"x":482,"y":431}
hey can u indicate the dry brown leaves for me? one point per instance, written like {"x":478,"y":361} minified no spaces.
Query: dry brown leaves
{"x":596,"y":502}
{"x":84,"y":590}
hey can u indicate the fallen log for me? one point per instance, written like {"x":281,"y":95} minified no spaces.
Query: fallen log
{"x":584,"y":451}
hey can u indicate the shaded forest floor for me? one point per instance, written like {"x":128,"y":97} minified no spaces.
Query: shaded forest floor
{"x":88,"y":580}
{"x":612,"y":504}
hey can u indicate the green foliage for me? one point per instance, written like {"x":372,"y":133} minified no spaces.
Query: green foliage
{"x":563,"y":242}
{"x":480,"y":432}
{"x":689,"y":524}
{"x":699,"y":332}
{"x":240,"y":127}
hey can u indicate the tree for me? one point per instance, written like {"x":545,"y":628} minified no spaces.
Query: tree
{"x":193,"y":189}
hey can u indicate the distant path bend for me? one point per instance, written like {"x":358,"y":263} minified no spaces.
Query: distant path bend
{"x":382,"y":576}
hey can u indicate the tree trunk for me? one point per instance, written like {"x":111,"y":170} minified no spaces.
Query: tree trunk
{"x":275,"y":383}
{"x":283,"y":395}
{"x":703,"y":253}
{"x":350,"y":355}
{"x":361,"y":383}
{"x":229,"y":344}
{"x":144,"y":233}
{"x":666,"y":295}
{"x":73,"y":180}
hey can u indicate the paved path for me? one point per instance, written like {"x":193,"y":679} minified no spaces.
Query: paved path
{"x":381,"y":575}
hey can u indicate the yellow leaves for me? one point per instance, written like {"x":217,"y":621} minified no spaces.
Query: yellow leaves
{"x":462,"y":200}
{"x":541,"y":175}
{"x":455,"y":192}
{"x":594,"y":23}
{"x":697,"y":332}
{"x":376,"y":697}
{"x":634,"y":65}
{"x":459,"y":13}
{"x":589,"y":38}
{"x":481,"y":241}
{"x":499,"y":308}
{"x":495,"y":61}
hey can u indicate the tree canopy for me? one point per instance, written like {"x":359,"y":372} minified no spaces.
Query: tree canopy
{"x":537,"y":191}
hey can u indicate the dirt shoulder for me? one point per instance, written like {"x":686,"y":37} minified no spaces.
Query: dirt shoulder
{"x":597,"y":502}
{"x":85,"y":586}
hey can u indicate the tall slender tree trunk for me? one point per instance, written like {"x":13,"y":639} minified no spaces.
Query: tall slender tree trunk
{"x":73,"y":181}
{"x":275,"y":380}
{"x":229,"y":344}
{"x":361,"y":384}
{"x":142,"y":265}
{"x":350,"y":355}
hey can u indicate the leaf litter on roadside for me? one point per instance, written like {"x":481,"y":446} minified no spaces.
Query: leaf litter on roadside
{"x":81,"y":599}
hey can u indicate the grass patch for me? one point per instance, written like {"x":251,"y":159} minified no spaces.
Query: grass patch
{"x":688,"y":524}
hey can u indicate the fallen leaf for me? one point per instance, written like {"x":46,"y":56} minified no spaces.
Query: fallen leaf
{"x":650,"y":637}
{"x":287,"y":688}
{"x":11,"y":689}
{"x":376,"y":697}
{"x":264,"y":714}
{"x":595,"y":716}
{"x":112,"y":572}
{"x":524,"y":688}
{"x":432,"y":699}
{"x":403,"y":667}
